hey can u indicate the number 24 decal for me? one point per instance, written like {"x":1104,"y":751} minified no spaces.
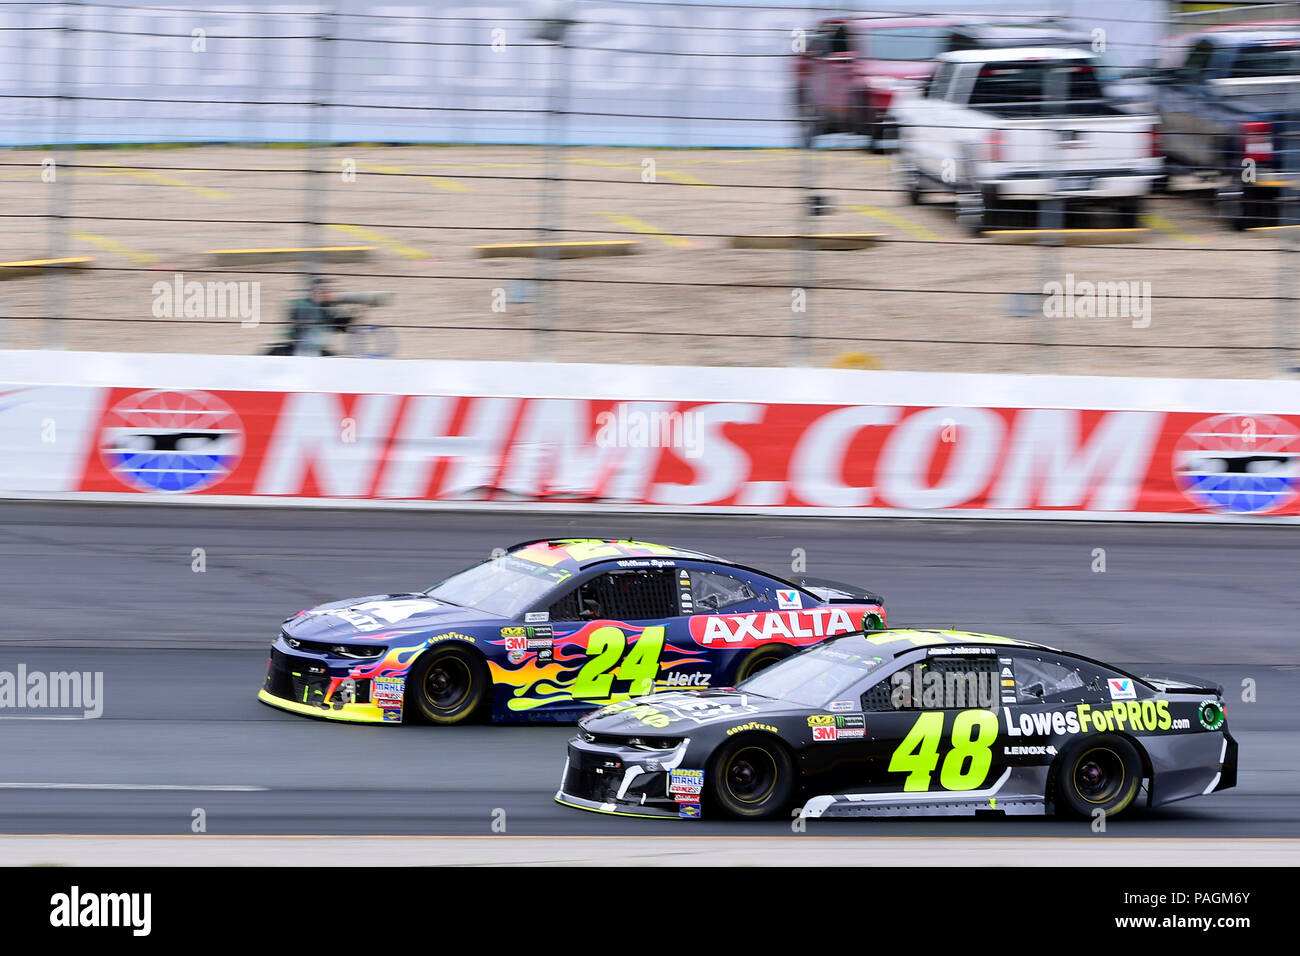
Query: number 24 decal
{"x":605,"y":647}
{"x":973,"y":734}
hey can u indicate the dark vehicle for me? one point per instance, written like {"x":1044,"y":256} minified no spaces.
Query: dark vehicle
{"x":1229,"y":106}
{"x":908,"y":722}
{"x":846,"y":79}
{"x":549,"y":631}
{"x":852,"y":68}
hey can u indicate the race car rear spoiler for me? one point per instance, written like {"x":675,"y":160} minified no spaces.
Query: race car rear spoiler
{"x":835,"y":592}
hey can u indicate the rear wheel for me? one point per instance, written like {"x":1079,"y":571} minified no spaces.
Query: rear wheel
{"x":760,"y":658}
{"x":1230,"y":206}
{"x":909,"y":181}
{"x":751,"y":777}
{"x":1129,"y":212}
{"x":1102,"y":773}
{"x":450,"y":685}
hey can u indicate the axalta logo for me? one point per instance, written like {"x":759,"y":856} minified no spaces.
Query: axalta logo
{"x":1239,"y":464}
{"x":172,"y":441}
{"x":790,"y":627}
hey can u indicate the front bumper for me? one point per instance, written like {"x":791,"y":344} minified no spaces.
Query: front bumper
{"x":304,"y":684}
{"x":622,"y":780}
{"x":353,"y":713}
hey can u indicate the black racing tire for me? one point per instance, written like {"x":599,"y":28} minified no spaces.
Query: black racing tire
{"x":1099,"y":773}
{"x":908,"y":178}
{"x":450,"y":684}
{"x":750,"y":777}
{"x":760,"y":658}
{"x":1230,"y":207}
{"x":1129,"y":212}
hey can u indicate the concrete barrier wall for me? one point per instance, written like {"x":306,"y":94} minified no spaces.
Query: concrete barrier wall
{"x":335,"y":432}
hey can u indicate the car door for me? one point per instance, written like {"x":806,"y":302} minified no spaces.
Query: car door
{"x":609,"y":635}
{"x":912,"y":741}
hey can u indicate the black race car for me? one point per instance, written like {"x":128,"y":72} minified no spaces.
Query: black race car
{"x":907,"y":722}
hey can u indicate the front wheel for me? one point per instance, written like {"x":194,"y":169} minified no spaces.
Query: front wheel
{"x":751,"y":778}
{"x":450,"y":685}
{"x":1103,"y":773}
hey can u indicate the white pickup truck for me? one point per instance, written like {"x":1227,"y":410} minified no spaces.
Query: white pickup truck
{"x":1007,"y":129}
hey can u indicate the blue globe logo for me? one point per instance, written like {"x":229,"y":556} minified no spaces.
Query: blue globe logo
{"x":1239,"y":464}
{"x":171,"y":441}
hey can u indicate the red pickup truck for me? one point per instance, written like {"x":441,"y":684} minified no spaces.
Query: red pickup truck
{"x":846,"y":77}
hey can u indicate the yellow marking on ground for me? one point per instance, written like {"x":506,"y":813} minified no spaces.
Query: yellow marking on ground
{"x":469,"y":165}
{"x":388,"y":242}
{"x":913,"y":229}
{"x":1169,"y":228}
{"x":112,"y":245}
{"x":638,"y":225}
{"x":1268,"y":228}
{"x":158,"y":179}
{"x":684,"y":179}
{"x":438,"y":182}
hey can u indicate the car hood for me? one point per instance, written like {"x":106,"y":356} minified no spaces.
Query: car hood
{"x":380,"y":616}
{"x":679,"y":712}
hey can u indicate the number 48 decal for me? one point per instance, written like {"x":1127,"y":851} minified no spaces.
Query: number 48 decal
{"x":605,"y":647}
{"x":973,"y":734}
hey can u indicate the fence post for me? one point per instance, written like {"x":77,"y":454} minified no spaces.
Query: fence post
{"x":316,"y":177}
{"x":801,"y":323}
{"x":551,"y":222}
{"x":63,"y":132}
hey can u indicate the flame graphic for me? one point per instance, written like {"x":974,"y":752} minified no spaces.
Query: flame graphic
{"x":536,"y":684}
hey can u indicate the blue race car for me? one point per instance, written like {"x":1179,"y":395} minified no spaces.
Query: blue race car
{"x":550,"y":631}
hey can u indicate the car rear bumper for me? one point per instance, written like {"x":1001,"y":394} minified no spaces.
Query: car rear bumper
{"x":1071,"y":185}
{"x":1190,"y":765}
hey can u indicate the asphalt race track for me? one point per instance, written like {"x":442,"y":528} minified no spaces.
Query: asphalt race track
{"x":113,"y":589}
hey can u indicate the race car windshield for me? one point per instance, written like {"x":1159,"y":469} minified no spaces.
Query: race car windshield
{"x":811,"y":679}
{"x":504,"y":587}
